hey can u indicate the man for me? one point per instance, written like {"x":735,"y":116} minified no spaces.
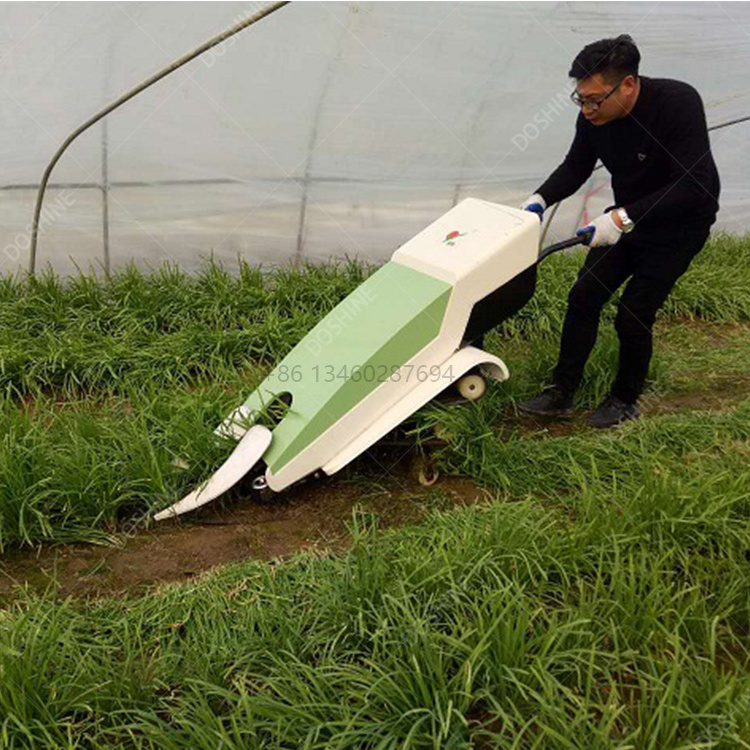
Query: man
{"x":650,"y":133}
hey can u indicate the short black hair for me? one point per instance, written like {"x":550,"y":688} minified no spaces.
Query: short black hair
{"x":613,"y":58}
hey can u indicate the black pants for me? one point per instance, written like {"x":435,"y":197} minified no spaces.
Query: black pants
{"x":653,"y":264}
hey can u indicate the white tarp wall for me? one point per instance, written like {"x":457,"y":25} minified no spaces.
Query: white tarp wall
{"x":327,"y":129}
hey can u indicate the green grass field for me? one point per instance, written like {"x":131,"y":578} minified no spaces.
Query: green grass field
{"x":601,"y":600}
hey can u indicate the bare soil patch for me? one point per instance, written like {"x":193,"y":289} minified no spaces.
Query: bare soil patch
{"x":310,"y":516}
{"x":385,"y":483}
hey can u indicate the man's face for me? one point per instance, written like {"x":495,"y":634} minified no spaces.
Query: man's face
{"x":619,"y":98}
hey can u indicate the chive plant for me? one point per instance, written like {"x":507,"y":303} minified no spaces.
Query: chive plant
{"x":601,"y":600}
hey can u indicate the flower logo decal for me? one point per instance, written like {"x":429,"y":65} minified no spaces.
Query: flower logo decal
{"x":452,"y":236}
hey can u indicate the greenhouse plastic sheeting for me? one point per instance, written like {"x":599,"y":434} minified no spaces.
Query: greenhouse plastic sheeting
{"x":326,"y":129}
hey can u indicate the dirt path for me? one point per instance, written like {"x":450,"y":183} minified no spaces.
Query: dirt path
{"x":383,"y":482}
{"x":312,"y":516}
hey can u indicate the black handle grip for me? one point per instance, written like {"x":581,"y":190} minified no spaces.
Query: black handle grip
{"x":580,"y":239}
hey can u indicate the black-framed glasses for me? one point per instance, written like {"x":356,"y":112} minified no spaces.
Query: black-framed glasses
{"x":593,"y":104}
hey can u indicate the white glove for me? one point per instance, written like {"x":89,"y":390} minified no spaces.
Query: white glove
{"x":536,"y":204}
{"x":602,"y":230}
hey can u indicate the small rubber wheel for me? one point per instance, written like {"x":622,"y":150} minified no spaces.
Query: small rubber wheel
{"x":428,"y":475}
{"x":471,"y":387}
{"x":260,"y":492}
{"x":423,"y":470}
{"x":442,"y":433}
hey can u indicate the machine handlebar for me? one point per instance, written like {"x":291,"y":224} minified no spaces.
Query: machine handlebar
{"x":580,"y":239}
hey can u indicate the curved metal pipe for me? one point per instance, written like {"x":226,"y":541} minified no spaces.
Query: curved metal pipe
{"x":218,"y":39}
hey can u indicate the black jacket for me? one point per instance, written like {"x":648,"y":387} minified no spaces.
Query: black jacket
{"x":659,"y":156}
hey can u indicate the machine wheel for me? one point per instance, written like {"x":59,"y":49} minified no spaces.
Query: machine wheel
{"x":471,"y":386}
{"x":260,"y":492}
{"x":423,"y":469}
{"x":442,"y":433}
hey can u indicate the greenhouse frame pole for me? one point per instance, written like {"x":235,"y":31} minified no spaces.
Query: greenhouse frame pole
{"x":218,"y":39}
{"x":105,"y":194}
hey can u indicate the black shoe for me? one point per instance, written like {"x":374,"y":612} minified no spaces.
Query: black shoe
{"x":612,"y":411}
{"x":551,"y":402}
